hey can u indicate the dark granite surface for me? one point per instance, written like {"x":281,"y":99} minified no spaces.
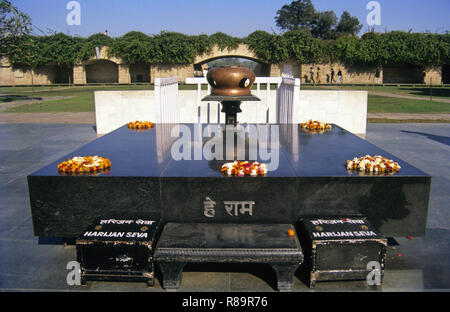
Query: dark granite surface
{"x":181,"y":243}
{"x":325,"y":154}
{"x":310,"y":179}
{"x":132,"y":154}
{"x":135,"y":153}
{"x":205,"y":236}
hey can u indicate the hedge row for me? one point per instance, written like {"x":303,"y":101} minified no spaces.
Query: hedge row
{"x":371,"y":49}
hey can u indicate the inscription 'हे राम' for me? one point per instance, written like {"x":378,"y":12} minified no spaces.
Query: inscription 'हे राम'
{"x":233,"y":208}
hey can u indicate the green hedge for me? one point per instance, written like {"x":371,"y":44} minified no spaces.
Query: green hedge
{"x":372,"y":49}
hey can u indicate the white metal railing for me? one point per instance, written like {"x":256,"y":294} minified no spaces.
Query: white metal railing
{"x":209,"y":112}
{"x":166,"y":100}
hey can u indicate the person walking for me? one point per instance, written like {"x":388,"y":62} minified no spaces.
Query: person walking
{"x":332,"y":76}
{"x":339,"y":76}
{"x":377,"y":76}
{"x":318,"y":76}
{"x":311,"y":76}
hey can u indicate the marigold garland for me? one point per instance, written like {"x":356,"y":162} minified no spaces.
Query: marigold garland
{"x":84,"y":164}
{"x":242,"y":168}
{"x":140,"y":125}
{"x":315,"y":125}
{"x":375,"y":164}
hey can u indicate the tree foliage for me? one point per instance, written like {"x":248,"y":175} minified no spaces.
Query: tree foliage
{"x":393,"y":48}
{"x":88,"y":46}
{"x":176,"y":48}
{"x":224,"y":41}
{"x":310,"y":37}
{"x":324,"y":25}
{"x":13,"y":24}
{"x":302,"y":15}
{"x":133,"y":47}
{"x":348,"y":25}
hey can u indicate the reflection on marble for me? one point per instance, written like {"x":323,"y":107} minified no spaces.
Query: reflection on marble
{"x":148,"y":175}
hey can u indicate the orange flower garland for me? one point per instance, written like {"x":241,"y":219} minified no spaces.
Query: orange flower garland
{"x":140,"y":125}
{"x":315,"y":125}
{"x":376,"y":164}
{"x":242,"y":168}
{"x":84,"y":164}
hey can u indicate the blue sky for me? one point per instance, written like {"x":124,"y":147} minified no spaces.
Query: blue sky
{"x":234,"y":17}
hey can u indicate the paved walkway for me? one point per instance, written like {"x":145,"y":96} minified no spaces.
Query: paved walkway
{"x":56,"y":118}
{"x":89,"y":117}
{"x":31,"y":100}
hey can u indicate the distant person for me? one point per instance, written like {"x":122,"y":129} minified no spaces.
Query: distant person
{"x":311,"y":76}
{"x":106,"y":32}
{"x":339,"y":76}
{"x":332,"y":76}
{"x":318,"y":75}
{"x":328,"y":78}
{"x":377,"y":76}
{"x":205,"y":72}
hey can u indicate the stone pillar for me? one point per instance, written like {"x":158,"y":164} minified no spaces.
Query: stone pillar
{"x":162,"y":71}
{"x":124,"y":73}
{"x":433,"y":76}
{"x":184,"y":71}
{"x":79,"y":74}
{"x":275,"y":70}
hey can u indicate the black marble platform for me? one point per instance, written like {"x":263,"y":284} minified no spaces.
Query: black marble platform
{"x":311,"y":179}
{"x":273,"y":244}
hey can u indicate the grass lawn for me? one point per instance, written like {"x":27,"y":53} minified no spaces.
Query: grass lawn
{"x":436,"y":92}
{"x":81,"y":98}
{"x":83,"y":102}
{"x":381,"y":104}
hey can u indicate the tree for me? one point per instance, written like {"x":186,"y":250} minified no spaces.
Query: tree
{"x":348,"y":25}
{"x":301,"y":15}
{"x":13,"y":23}
{"x":297,"y":15}
{"x":324,"y":25}
{"x":133,"y":47}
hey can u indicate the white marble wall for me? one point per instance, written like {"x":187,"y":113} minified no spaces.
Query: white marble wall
{"x":113,"y":109}
{"x":347,"y":109}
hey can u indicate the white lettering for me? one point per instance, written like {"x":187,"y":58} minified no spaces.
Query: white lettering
{"x":374,"y":17}
{"x":74,"y":276}
{"x":74,"y":16}
{"x":193,"y":302}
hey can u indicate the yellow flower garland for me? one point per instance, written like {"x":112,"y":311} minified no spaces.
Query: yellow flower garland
{"x":84,"y":164}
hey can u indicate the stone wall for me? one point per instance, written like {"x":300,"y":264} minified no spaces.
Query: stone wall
{"x":165,"y":71}
{"x":140,"y":73}
{"x":434,"y":76}
{"x":102,"y":71}
{"x":403,"y":74}
{"x":241,"y":51}
{"x":351,"y":74}
{"x":38,"y":76}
